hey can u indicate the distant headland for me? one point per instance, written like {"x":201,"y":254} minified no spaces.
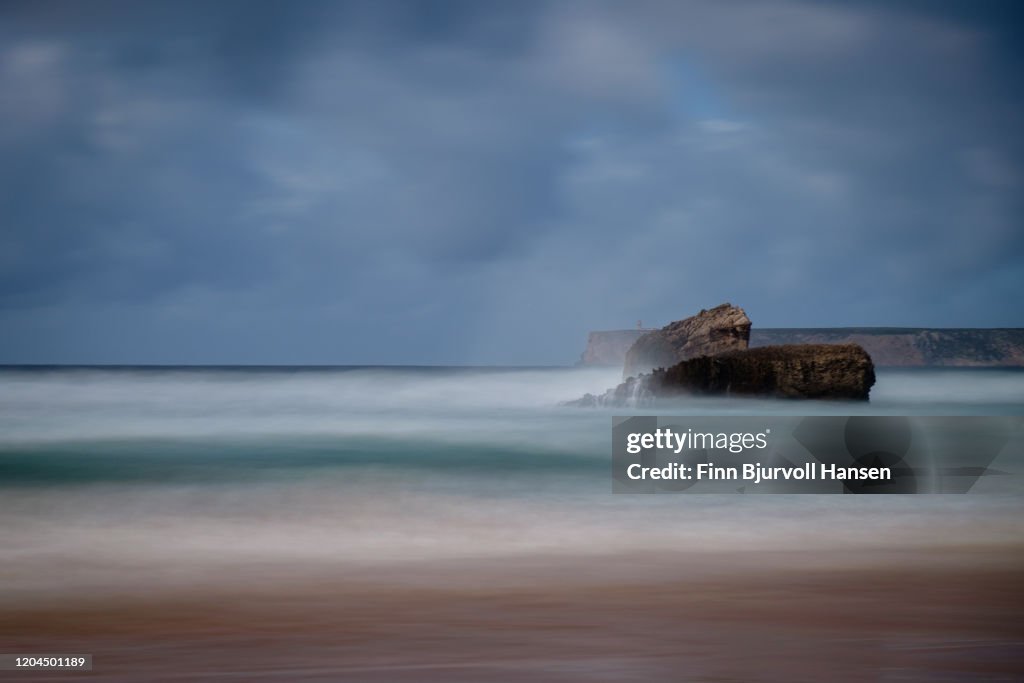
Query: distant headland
{"x":888,"y":346}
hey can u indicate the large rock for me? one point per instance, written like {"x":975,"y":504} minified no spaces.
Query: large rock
{"x":818,"y":371}
{"x":711,"y":332}
{"x":827,"y":371}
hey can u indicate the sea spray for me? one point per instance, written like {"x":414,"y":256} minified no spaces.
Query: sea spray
{"x":639,"y":393}
{"x":634,"y":393}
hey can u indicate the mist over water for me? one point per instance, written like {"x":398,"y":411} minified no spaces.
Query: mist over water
{"x":129,"y":475}
{"x":457,"y":404}
{"x":443,"y":403}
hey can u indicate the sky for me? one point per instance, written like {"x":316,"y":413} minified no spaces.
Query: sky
{"x":397,"y":182}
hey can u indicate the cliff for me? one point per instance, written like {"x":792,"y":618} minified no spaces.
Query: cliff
{"x":888,"y":346}
{"x":609,"y":347}
{"x":912,"y":347}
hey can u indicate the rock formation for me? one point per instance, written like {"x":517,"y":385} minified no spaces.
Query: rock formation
{"x":825,"y":371}
{"x":710,"y":332}
{"x":816,"y":371}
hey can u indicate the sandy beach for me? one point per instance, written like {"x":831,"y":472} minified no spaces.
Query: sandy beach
{"x":936,"y":615}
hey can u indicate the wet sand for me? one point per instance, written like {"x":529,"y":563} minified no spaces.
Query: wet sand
{"x":941,"y":614}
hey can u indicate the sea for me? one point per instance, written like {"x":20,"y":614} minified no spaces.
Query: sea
{"x":120,"y":477}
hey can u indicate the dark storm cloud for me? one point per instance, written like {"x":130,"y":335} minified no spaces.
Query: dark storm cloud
{"x":484,"y":182}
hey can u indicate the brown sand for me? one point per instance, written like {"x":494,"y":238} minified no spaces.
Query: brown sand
{"x":937,"y":615}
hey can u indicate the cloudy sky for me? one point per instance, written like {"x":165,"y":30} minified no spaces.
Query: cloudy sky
{"x":484,"y":182}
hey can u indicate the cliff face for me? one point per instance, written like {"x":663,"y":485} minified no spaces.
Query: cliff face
{"x":609,"y":347}
{"x":892,"y":347}
{"x":912,"y":347}
{"x":709,"y":333}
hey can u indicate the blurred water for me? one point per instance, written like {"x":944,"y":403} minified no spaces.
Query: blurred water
{"x":449,"y":404}
{"x":110,"y":475}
